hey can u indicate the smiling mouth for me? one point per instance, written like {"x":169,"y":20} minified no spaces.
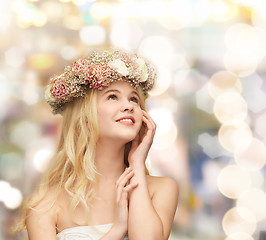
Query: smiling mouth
{"x":126,"y":120}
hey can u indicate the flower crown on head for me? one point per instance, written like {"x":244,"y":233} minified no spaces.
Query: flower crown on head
{"x":98,"y":70}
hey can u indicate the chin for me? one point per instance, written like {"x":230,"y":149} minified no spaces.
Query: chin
{"x":127,"y":138}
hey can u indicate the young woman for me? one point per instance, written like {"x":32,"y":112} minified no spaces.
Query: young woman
{"x":97,"y":186}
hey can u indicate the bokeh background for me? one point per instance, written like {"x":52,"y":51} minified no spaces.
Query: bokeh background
{"x":209,"y":101}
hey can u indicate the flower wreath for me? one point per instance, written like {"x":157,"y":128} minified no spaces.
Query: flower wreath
{"x":98,"y":70}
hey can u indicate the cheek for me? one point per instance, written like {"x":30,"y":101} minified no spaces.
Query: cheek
{"x":139,"y":115}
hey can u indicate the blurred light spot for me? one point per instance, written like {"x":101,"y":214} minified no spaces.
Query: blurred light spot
{"x":233,"y":181}
{"x":230,"y":108}
{"x":69,"y":52}
{"x":232,"y":34}
{"x":10,"y":196}
{"x":53,"y":10}
{"x":41,"y":159}
{"x":4,"y":88}
{"x":253,"y":158}
{"x":24,"y":133}
{"x":253,"y":92}
{"x":166,"y":132}
{"x":239,"y":220}
{"x":223,"y":81}
{"x":170,"y":22}
{"x":211,"y":170}
{"x":157,"y":49}
{"x":240,"y":63}
{"x":189,"y":13}
{"x":125,"y":34}
{"x":139,"y":9}
{"x":41,"y":61}
{"x":257,"y":179}
{"x":235,"y":138}
{"x":246,"y":47}
{"x":5,"y":16}
{"x":5,"y":92}
{"x":92,"y":35}
{"x":245,"y":2}
{"x":243,"y":37}
{"x":28,"y":14}
{"x":210,"y":145}
{"x":100,"y":10}
{"x":260,"y":128}
{"x":31,"y":92}
{"x":162,"y":82}
{"x":40,"y":152}
{"x":14,"y":57}
{"x":258,"y":16}
{"x":81,"y":2}
{"x":64,"y":1}
{"x":222,"y":11}
{"x":73,"y":22}
{"x":203,"y":100}
{"x":239,"y":236}
{"x":121,"y":34}
{"x":254,"y":200}
{"x":13,"y":198}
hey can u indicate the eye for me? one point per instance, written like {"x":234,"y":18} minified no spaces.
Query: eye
{"x":112,"y":97}
{"x":134,"y":99}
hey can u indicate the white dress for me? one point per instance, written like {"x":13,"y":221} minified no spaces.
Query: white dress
{"x":85,"y":232}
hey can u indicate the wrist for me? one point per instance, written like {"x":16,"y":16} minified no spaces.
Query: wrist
{"x":138,"y":166}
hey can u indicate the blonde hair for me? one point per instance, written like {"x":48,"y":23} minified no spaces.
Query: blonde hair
{"x":72,"y":167}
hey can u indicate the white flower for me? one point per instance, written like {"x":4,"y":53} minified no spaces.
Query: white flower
{"x":48,"y":95}
{"x":142,"y":68}
{"x":119,"y":66}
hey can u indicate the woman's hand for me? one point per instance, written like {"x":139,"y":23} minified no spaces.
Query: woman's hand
{"x":140,"y":149}
{"x":123,"y":188}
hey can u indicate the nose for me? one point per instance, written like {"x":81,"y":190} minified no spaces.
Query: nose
{"x":127,"y":107}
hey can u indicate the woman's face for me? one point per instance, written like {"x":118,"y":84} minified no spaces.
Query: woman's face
{"x":119,"y":112}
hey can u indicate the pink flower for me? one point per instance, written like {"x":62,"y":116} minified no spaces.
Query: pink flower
{"x":60,"y":89}
{"x":100,"y":75}
{"x":79,"y":66}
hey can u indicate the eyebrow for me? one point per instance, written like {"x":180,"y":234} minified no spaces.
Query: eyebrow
{"x":115,"y":90}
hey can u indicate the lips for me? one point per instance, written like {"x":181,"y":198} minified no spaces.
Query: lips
{"x":126,"y":119}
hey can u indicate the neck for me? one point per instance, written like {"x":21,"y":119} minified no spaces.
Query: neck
{"x":109,"y":160}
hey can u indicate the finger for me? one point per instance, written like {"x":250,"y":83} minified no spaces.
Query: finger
{"x":150,"y":128}
{"x":149,"y":119}
{"x":123,"y":200}
{"x":122,"y":183}
{"x":126,"y":171}
{"x":130,"y":187}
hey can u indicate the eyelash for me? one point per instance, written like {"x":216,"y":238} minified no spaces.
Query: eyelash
{"x":136,"y":100}
{"x":111,"y":96}
{"x":114,"y":97}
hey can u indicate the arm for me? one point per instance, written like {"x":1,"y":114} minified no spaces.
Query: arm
{"x":152,"y":218}
{"x":149,"y":218}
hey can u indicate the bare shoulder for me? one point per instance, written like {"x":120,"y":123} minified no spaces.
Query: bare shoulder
{"x":162,"y":185}
{"x":42,"y":215}
{"x":42,"y":202}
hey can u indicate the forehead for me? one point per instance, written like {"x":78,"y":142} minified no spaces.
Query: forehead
{"x":121,"y":86}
